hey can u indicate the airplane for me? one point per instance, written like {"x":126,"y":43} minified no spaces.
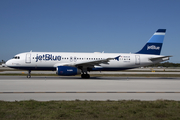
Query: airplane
{"x":68,"y":63}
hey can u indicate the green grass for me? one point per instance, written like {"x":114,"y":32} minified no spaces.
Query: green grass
{"x":90,"y":110}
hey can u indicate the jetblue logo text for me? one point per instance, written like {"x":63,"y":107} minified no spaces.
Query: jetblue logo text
{"x":48,"y":57}
{"x":153,"y":47}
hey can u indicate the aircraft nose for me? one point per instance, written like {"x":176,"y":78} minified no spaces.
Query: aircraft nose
{"x":8,"y":63}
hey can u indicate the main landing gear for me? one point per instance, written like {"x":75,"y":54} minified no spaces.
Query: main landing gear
{"x":29,"y":74}
{"x":85,"y":76}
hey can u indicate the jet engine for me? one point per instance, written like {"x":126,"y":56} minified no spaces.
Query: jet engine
{"x":67,"y":70}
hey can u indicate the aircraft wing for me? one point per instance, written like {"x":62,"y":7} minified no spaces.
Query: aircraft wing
{"x":95,"y":62}
{"x":89,"y":63}
{"x":160,"y":58}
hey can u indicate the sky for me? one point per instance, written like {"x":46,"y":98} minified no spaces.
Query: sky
{"x":112,"y":26}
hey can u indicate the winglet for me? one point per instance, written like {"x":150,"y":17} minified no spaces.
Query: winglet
{"x":154,"y":45}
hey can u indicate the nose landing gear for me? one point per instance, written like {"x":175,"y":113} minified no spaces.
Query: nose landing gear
{"x":29,"y":74}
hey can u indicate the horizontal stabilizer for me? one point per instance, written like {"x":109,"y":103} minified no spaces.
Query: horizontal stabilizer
{"x":160,"y":58}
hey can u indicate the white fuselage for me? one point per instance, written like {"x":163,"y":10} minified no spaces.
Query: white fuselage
{"x":50,"y":60}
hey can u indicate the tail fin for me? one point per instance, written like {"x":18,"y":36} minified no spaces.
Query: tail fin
{"x":154,"y":45}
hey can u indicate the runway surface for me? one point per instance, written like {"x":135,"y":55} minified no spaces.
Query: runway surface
{"x":96,"y":88}
{"x":92,"y":72}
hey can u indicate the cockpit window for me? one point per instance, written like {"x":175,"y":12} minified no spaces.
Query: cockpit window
{"x":16,"y":57}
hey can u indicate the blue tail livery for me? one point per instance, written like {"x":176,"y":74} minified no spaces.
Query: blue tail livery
{"x":154,"y":45}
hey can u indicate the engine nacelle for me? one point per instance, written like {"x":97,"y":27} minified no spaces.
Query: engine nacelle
{"x":67,"y":70}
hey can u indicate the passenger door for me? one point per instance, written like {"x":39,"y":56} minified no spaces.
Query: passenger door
{"x":28,"y":58}
{"x":137,"y":60}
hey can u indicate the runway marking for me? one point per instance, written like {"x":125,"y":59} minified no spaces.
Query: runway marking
{"x":84,"y":92}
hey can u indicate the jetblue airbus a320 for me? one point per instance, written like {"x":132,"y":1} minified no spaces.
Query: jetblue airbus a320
{"x":67,"y":63}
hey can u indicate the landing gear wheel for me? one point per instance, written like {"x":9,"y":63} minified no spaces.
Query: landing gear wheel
{"x":85,"y":76}
{"x":28,"y":76}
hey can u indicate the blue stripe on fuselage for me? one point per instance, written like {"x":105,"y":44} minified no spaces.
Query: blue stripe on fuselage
{"x":53,"y":68}
{"x":34,"y":68}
